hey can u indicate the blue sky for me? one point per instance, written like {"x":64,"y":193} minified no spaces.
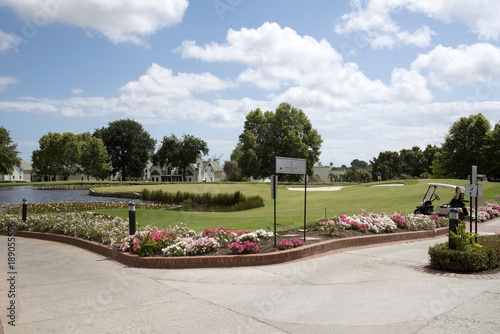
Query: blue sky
{"x":371,"y":75}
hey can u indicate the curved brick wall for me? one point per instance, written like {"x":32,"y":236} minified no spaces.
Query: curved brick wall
{"x":229,"y":260}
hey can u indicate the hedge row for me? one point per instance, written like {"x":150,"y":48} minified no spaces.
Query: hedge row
{"x":215,"y":202}
{"x":484,"y":256}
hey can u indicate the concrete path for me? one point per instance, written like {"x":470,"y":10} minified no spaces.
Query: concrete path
{"x":379,"y":289}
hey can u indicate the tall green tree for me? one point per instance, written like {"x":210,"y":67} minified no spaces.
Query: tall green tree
{"x":8,"y":153}
{"x":53,"y":157}
{"x":287,"y":132}
{"x":93,"y":156}
{"x":357,"y":175}
{"x":411,"y":162}
{"x":129,"y":147}
{"x":429,"y":156}
{"x":491,"y":154}
{"x":386,"y":163}
{"x":180,"y":153}
{"x":462,"y":147}
{"x":358,"y":164}
{"x":232,"y":171}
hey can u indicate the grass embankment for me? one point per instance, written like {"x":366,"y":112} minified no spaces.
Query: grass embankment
{"x":290,"y":204}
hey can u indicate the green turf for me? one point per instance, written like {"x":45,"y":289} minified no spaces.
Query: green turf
{"x":290,"y":204}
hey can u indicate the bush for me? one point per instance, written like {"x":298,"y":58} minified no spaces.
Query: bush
{"x":472,"y":259}
{"x":220,"y":202}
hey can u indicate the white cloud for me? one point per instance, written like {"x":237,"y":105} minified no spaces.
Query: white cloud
{"x":120,"y":21}
{"x":7,"y":81}
{"x":374,"y":18}
{"x":77,"y":91}
{"x":311,"y":71}
{"x":162,"y":82}
{"x":276,"y":56}
{"x":380,"y":29}
{"x":8,"y":42}
{"x":463,"y":65}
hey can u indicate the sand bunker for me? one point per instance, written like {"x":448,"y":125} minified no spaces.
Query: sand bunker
{"x":318,"y":188}
{"x":388,"y":185}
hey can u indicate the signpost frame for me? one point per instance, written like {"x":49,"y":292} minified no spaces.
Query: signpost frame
{"x":295,"y":166}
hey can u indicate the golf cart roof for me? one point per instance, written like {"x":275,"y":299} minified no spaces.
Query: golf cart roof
{"x":444,"y":185}
{"x":459,"y":190}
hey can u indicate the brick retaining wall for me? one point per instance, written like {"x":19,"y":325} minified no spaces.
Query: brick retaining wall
{"x":230,"y":260}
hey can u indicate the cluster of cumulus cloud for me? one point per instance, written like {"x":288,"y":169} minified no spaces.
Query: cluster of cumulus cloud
{"x":299,"y":69}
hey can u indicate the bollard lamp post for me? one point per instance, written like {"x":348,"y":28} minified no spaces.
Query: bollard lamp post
{"x":24,"y":210}
{"x":131,"y":218}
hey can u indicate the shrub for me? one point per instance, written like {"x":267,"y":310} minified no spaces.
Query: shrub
{"x":220,"y":202}
{"x":484,"y":256}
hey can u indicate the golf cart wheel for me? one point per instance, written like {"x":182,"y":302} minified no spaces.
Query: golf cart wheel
{"x":418,"y":212}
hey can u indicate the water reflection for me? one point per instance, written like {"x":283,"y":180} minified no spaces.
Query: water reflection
{"x":37,"y":195}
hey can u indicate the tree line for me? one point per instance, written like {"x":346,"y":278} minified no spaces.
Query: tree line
{"x":470,"y":141}
{"x":122,"y":147}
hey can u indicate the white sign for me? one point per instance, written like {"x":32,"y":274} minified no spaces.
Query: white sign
{"x":291,"y":166}
{"x":471,"y":190}
{"x":474,"y":190}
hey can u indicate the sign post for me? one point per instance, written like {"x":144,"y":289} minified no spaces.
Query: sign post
{"x":475,"y":192}
{"x":473,"y":184}
{"x":291,"y":166}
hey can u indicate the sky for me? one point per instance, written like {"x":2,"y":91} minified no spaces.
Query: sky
{"x":371,"y":75}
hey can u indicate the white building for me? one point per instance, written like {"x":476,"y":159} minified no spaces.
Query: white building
{"x":20,"y":174}
{"x":201,"y":171}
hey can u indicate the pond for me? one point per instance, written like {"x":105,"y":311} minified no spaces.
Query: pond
{"x":38,"y":195}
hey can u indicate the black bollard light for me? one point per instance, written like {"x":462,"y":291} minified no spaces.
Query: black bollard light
{"x":131,"y":218}
{"x":25,"y":210}
{"x":452,"y":227}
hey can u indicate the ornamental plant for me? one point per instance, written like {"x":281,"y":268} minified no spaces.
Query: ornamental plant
{"x":222,"y":235}
{"x":243,"y":247}
{"x":254,"y":236}
{"x":191,"y":247}
{"x":463,"y":239}
{"x":90,"y":226}
{"x":285,"y":244}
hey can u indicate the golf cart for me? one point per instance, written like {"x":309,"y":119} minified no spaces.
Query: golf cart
{"x":458,"y":202}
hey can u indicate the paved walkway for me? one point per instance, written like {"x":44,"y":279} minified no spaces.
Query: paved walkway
{"x":379,"y":289}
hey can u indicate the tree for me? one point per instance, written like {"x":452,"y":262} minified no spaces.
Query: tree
{"x":93,"y":156}
{"x":286,"y":132}
{"x":357,"y":175}
{"x":491,"y":154}
{"x":58,"y":154}
{"x":462,"y":147}
{"x":411,"y":162}
{"x":180,"y":153}
{"x":232,"y":171}
{"x":237,"y":153}
{"x":129,"y":147}
{"x":8,"y":153}
{"x":386,"y":163}
{"x":429,"y":156}
{"x":359,"y":164}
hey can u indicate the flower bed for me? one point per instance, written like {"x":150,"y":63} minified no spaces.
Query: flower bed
{"x":382,"y":223}
{"x":90,"y":226}
{"x":183,"y":241}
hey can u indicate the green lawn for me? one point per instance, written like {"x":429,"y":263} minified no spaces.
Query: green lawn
{"x":290,"y":204}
